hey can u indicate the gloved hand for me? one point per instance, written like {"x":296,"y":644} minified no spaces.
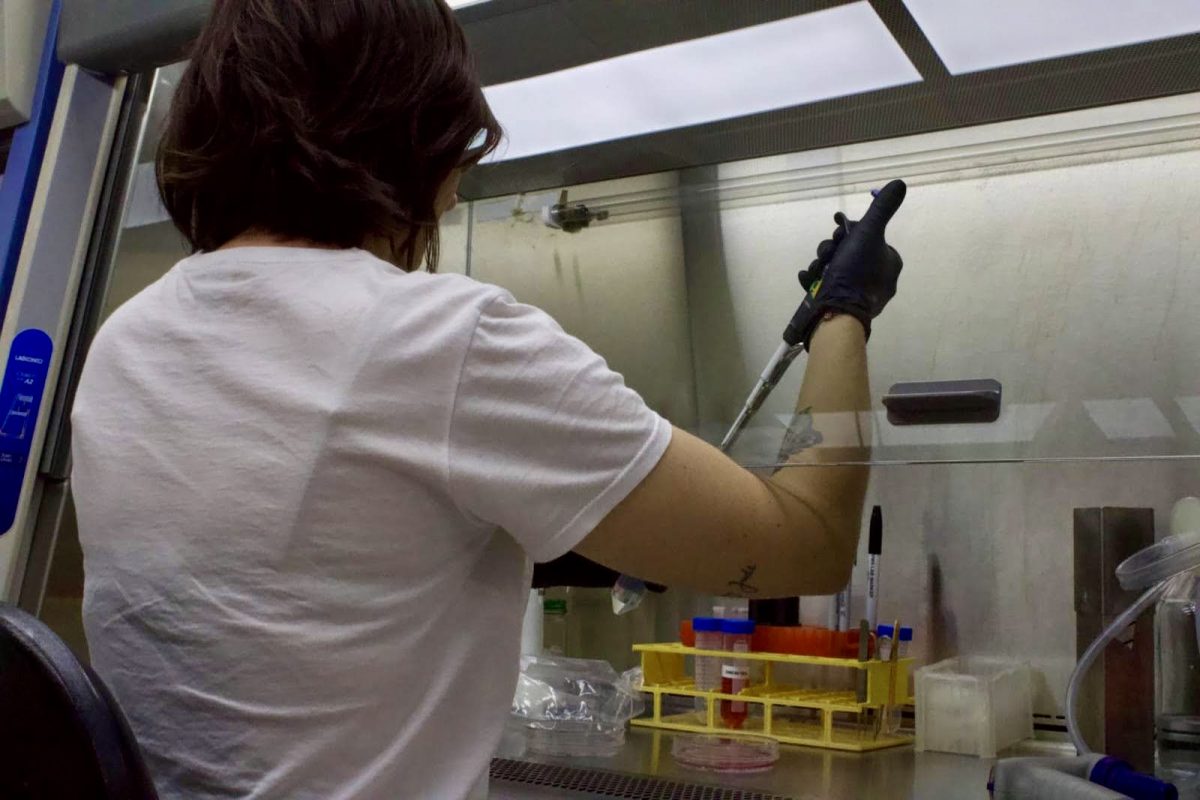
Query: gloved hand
{"x":856,"y":268}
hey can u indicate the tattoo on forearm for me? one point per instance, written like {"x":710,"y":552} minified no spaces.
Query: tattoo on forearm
{"x":743,"y":585}
{"x":800,"y":435}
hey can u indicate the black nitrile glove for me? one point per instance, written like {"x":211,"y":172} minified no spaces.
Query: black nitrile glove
{"x":856,"y":268}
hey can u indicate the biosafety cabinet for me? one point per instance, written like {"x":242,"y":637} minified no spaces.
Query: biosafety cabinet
{"x":669,"y":169}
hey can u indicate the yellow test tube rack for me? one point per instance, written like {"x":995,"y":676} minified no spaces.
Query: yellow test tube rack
{"x":815,"y":717}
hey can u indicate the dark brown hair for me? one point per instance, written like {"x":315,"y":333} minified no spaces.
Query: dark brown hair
{"x":331,"y":121}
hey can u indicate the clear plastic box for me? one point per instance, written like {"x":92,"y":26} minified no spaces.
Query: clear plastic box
{"x":974,"y":705}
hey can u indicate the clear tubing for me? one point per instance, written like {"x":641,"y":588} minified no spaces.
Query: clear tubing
{"x":1165,"y":563}
{"x":1127,"y":618}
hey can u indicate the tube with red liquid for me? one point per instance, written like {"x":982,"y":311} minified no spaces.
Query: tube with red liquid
{"x":735,"y":672}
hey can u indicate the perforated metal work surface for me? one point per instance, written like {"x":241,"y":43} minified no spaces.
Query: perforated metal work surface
{"x":603,"y":783}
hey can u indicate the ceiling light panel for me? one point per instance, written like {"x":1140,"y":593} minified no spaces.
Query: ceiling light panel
{"x":841,"y":51}
{"x":973,"y":35}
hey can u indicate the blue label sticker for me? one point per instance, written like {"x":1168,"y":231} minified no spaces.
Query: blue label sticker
{"x":20,"y":398}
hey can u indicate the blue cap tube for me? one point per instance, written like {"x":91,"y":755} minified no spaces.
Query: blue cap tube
{"x":1115,"y":774}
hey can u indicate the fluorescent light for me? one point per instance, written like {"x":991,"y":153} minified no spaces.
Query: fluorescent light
{"x":970,"y":35}
{"x":833,"y":53}
{"x":461,"y":3}
{"x":1138,"y":418}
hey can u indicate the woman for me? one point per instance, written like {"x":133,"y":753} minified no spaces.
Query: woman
{"x":310,"y":477}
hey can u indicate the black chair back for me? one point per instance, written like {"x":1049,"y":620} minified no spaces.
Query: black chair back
{"x":62,"y":735}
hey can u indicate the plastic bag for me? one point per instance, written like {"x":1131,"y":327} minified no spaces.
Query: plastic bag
{"x":554,"y":689}
{"x":627,"y":594}
{"x":575,"y":706}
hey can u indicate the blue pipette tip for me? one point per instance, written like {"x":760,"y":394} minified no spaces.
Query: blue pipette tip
{"x":874,"y":193}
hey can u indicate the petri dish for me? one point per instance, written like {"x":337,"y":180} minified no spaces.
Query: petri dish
{"x":725,"y":754}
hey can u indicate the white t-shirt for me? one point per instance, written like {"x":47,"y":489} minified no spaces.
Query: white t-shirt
{"x":294,"y":471}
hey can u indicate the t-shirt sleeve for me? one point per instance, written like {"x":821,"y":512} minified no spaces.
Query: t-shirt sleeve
{"x":545,"y":439}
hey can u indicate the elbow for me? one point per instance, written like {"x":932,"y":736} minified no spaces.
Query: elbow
{"x":840,"y":575}
{"x":834,"y":570}
{"x":832,"y":580}
{"x":843,"y":543}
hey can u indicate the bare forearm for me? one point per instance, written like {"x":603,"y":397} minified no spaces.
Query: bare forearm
{"x":835,"y":396}
{"x":836,"y":392}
